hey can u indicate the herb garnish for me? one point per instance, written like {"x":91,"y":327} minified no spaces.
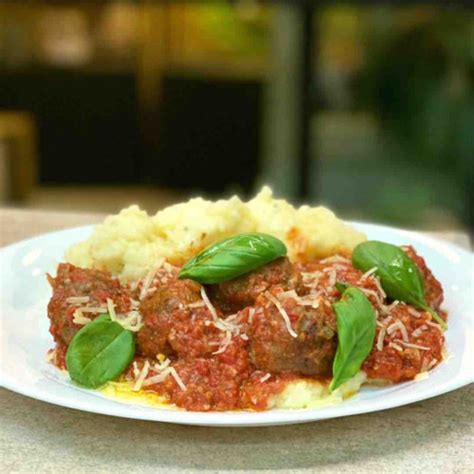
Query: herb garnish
{"x":355,"y":332}
{"x":399,"y":275}
{"x":99,"y":352}
{"x":233,"y":257}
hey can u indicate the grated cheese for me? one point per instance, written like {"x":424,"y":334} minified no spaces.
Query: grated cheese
{"x":413,"y":312}
{"x":147,"y":281}
{"x":211,"y":308}
{"x":287,"y":294}
{"x":379,"y":286}
{"x":419,"y":331}
{"x":157,"y":378}
{"x":178,"y":379}
{"x":77,"y":299}
{"x":412,"y":346}
{"x":435,"y":325}
{"x":135,"y":369}
{"x":133,"y":320}
{"x":389,"y":308}
{"x":398,"y":325}
{"x":282,"y":312}
{"x":368,"y":273}
{"x":224,"y":344}
{"x":374,"y":294}
{"x":335,"y":259}
{"x":396,"y":347}
{"x":143,"y":373}
{"x":92,"y":309}
{"x":380,"y":338}
{"x":265,"y":377}
{"x":251,"y":315}
{"x":79,"y":318}
{"x":197,"y":304}
{"x":217,"y":322}
{"x":332,"y":278}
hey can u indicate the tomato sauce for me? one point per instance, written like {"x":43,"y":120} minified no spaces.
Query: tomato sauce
{"x":216,"y":361}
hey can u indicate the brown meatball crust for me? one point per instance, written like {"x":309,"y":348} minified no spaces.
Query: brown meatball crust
{"x":159,"y":312}
{"x":241,"y":292}
{"x":273,"y":349}
{"x":74,"y":281}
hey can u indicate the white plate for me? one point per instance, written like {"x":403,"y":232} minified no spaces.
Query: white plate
{"x":25,"y":337}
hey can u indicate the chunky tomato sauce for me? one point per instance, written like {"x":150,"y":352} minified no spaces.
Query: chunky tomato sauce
{"x":238,"y":344}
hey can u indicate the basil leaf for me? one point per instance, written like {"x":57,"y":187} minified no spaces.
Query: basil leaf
{"x":233,"y":257}
{"x":356,"y":333}
{"x":341,"y":287}
{"x":399,"y":275}
{"x":99,"y":352}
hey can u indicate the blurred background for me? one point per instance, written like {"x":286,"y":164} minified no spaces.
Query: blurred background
{"x":367,"y":107}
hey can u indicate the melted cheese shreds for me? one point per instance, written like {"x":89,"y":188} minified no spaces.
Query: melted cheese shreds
{"x":282,"y":312}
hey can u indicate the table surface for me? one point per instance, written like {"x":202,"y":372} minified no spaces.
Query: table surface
{"x":435,"y":435}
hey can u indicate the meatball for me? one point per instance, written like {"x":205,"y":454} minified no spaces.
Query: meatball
{"x":272,"y":347}
{"x":161,"y":310}
{"x":433,"y":289}
{"x":71,"y":281}
{"x":241,"y":292}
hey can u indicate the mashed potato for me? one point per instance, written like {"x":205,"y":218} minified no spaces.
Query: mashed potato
{"x":129,"y":243}
{"x":300,"y":394}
